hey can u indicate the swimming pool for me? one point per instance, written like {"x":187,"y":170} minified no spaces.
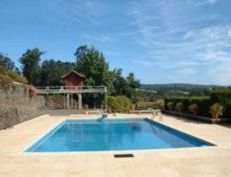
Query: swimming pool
{"x":113,"y":134}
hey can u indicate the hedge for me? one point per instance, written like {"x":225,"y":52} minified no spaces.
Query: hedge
{"x":204,"y":103}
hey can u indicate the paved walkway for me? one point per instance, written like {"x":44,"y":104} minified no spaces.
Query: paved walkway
{"x":186,"y":162}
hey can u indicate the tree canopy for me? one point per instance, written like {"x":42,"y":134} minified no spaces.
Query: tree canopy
{"x":30,"y":65}
{"x":92,"y":64}
{"x":6,"y":62}
{"x":51,"y":72}
{"x":89,"y":61}
{"x":124,"y":86}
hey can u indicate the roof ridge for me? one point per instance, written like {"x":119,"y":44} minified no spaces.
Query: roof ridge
{"x":73,"y":71}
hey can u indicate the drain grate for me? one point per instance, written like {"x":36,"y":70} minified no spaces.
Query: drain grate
{"x":123,"y":155}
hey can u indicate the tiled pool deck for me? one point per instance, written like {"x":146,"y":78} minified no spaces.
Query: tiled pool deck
{"x":186,"y":162}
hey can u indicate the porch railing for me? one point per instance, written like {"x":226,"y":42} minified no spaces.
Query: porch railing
{"x":71,"y":89}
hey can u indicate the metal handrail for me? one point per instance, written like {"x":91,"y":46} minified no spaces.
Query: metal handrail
{"x":154,"y":112}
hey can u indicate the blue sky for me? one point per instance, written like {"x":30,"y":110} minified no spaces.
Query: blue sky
{"x":168,"y":41}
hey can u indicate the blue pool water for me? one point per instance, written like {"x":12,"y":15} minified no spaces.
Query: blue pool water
{"x":119,"y":134}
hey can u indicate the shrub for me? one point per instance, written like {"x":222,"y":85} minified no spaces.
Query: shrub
{"x":193,"y":108}
{"x":86,"y":106}
{"x":8,"y":77}
{"x":54,"y":101}
{"x":3,"y":71}
{"x":216,"y":110}
{"x":179,"y":107}
{"x":223,"y":97}
{"x":16,"y":77}
{"x":170,"y":105}
{"x":5,"y":81}
{"x":159,"y":104}
{"x":119,"y":103}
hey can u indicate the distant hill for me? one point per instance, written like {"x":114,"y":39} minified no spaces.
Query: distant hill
{"x":177,"y":89}
{"x":176,"y":86}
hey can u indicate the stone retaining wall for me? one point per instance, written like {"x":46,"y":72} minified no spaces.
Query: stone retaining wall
{"x":17,"y":105}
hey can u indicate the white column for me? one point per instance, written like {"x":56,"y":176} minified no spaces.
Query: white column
{"x":105,"y":99}
{"x":80,"y":101}
{"x":64,"y":101}
{"x":71,"y":96}
{"x":68,"y":101}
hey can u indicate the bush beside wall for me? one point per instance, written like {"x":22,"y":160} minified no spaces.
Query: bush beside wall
{"x":119,"y":104}
{"x":8,"y":77}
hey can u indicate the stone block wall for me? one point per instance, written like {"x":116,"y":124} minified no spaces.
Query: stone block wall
{"x":17,"y":105}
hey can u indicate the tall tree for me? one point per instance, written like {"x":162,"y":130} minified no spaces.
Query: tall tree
{"x":132,"y":82}
{"x":125,"y":86}
{"x":92,"y":64}
{"x":6,"y":62}
{"x":30,"y":65}
{"x":119,"y":82}
{"x":81,"y":51}
{"x":51,"y":72}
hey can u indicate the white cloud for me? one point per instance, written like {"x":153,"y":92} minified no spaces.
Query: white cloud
{"x":98,"y":38}
{"x":76,"y":11}
{"x":205,"y":2}
{"x":177,"y":37}
{"x":144,"y":63}
{"x":141,"y":31}
{"x":229,"y":32}
{"x":212,"y":1}
{"x":199,"y":55}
